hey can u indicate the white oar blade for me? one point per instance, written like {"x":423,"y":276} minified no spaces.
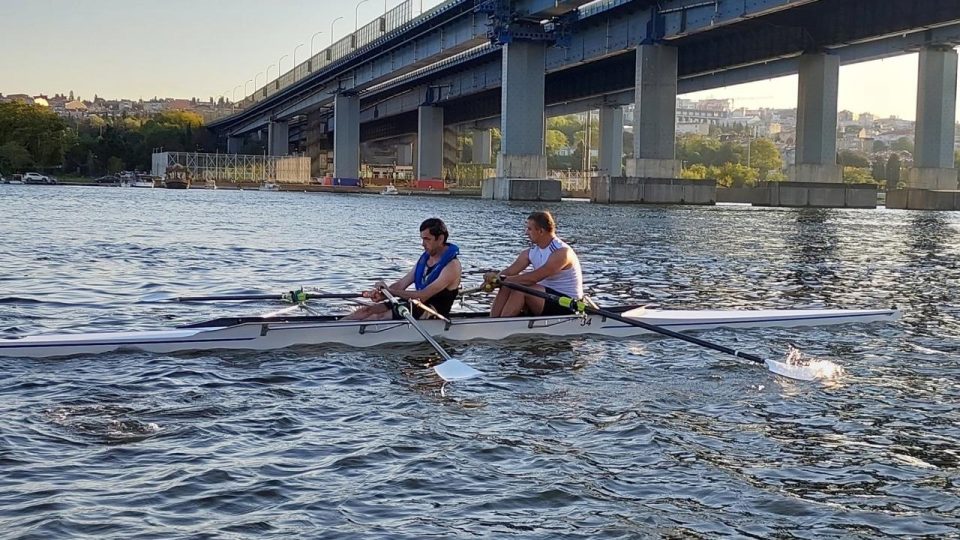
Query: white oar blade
{"x":455,"y":370}
{"x":816,"y":370}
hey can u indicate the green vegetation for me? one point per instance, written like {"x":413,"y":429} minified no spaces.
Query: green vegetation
{"x":730,"y":162}
{"x":34,"y":137}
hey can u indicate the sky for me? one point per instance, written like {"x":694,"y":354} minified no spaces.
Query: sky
{"x":207,"y":48}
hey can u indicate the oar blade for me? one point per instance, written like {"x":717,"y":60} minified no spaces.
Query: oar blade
{"x":455,"y":370}
{"x":813,"y":371}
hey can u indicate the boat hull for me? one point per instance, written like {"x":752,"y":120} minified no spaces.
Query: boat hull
{"x":277,"y":333}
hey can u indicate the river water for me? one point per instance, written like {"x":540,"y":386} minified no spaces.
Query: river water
{"x":586,"y":438}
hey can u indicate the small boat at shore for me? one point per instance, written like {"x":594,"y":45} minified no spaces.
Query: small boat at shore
{"x":389,"y":189}
{"x":268,"y":186}
{"x":277,"y":332}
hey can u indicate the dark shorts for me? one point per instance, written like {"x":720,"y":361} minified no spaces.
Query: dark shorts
{"x":415,"y":310}
{"x":553,"y":308}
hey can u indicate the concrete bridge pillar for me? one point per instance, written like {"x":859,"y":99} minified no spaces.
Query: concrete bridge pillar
{"x":611,"y":140}
{"x":429,"y":142}
{"x":234,"y":145}
{"x":278,"y":138}
{"x":816,"y":159}
{"x":933,"y":166}
{"x":346,"y":139}
{"x":654,"y":145}
{"x":522,"y":163}
{"x":482,"y":146}
{"x":317,"y":144}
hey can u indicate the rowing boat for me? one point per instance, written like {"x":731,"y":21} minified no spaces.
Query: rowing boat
{"x":267,"y":333}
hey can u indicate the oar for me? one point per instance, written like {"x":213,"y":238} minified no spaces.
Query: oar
{"x":780,"y":368}
{"x":451,"y":369}
{"x":291,"y":296}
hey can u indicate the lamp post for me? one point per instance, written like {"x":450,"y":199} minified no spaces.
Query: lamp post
{"x":295,"y":55}
{"x":311,"y":42}
{"x":235,"y":92}
{"x":356,"y":15}
{"x":267,"y":78}
{"x":255,"y":83}
{"x":280,"y":64}
{"x":331,"y":28}
{"x":245,"y":93}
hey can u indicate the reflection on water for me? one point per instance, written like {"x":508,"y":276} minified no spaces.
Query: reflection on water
{"x":561,"y":438}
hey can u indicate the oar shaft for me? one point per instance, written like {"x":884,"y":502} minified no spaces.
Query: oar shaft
{"x":405,"y":313}
{"x":634,"y":322}
{"x":274,"y":296}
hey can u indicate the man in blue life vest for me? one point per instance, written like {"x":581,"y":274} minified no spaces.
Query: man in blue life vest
{"x":556,"y":270}
{"x":436,"y":279}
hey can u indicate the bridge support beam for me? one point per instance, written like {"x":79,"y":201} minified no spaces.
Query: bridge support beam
{"x":933,"y":166}
{"x":611,"y":140}
{"x":816,"y":159}
{"x":234,"y":145}
{"x":522,"y":163}
{"x":346,"y":139}
{"x":278,"y":138}
{"x":654,"y":145}
{"x":429,"y":142}
{"x":482,"y":146}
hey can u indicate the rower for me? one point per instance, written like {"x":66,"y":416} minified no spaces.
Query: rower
{"x":436,"y":279}
{"x":556,"y":270}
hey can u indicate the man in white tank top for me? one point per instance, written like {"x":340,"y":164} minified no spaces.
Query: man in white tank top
{"x":556,"y":269}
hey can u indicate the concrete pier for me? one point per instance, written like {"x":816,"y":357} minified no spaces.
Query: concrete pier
{"x":346,"y":139}
{"x":430,"y":142}
{"x":654,"y":144}
{"x":278,"y":138}
{"x":610,"y":190}
{"x":482,"y":146}
{"x":611,"y":141}
{"x":522,"y":163}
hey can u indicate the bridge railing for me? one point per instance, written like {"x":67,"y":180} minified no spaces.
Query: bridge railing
{"x":392,"y":20}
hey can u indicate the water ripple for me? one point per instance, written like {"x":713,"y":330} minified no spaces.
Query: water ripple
{"x":561,"y":439}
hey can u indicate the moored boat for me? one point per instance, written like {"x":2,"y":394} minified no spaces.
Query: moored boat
{"x":266,"y":333}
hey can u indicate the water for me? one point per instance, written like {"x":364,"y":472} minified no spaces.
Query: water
{"x":561,"y":439}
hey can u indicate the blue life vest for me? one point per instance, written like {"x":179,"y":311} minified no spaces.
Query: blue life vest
{"x":421,"y":281}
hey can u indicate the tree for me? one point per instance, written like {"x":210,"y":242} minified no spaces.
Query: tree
{"x":902,"y":144}
{"x":878,"y":170}
{"x":765,"y":157}
{"x":857,"y":175}
{"x":879,"y":146}
{"x":695,"y":172}
{"x":556,"y":140}
{"x":14,"y":157}
{"x":893,"y":171}
{"x":849,"y":158}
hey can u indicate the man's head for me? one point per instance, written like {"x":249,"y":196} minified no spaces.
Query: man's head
{"x":541,"y":227}
{"x":433,"y":236}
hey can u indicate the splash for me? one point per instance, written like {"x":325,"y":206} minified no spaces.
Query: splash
{"x":797,"y":365}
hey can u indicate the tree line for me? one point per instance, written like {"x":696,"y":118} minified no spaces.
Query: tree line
{"x":33,"y":137}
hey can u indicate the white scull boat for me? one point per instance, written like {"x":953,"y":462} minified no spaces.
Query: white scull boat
{"x":266,"y":333}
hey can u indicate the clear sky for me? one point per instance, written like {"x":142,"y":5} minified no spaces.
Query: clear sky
{"x":203,"y":48}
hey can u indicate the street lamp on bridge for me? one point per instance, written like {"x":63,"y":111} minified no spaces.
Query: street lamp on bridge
{"x":255,"y":83}
{"x":280,"y":64}
{"x":235,"y":92}
{"x":245,"y":93}
{"x":295,"y":55}
{"x":356,"y":15}
{"x":311,"y":42}
{"x":331,"y":28}
{"x":267,"y":78}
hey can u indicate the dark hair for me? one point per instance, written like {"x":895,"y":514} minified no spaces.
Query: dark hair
{"x":437,"y":228}
{"x":544,"y":220}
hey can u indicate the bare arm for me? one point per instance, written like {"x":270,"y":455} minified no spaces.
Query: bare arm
{"x":557,"y":261}
{"x":523,"y":261}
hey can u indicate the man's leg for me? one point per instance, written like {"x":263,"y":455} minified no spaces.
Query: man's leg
{"x":373,"y":312}
{"x":519,"y":302}
{"x":501,"y":300}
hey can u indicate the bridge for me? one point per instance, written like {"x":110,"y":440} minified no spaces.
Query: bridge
{"x":510,"y":63}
